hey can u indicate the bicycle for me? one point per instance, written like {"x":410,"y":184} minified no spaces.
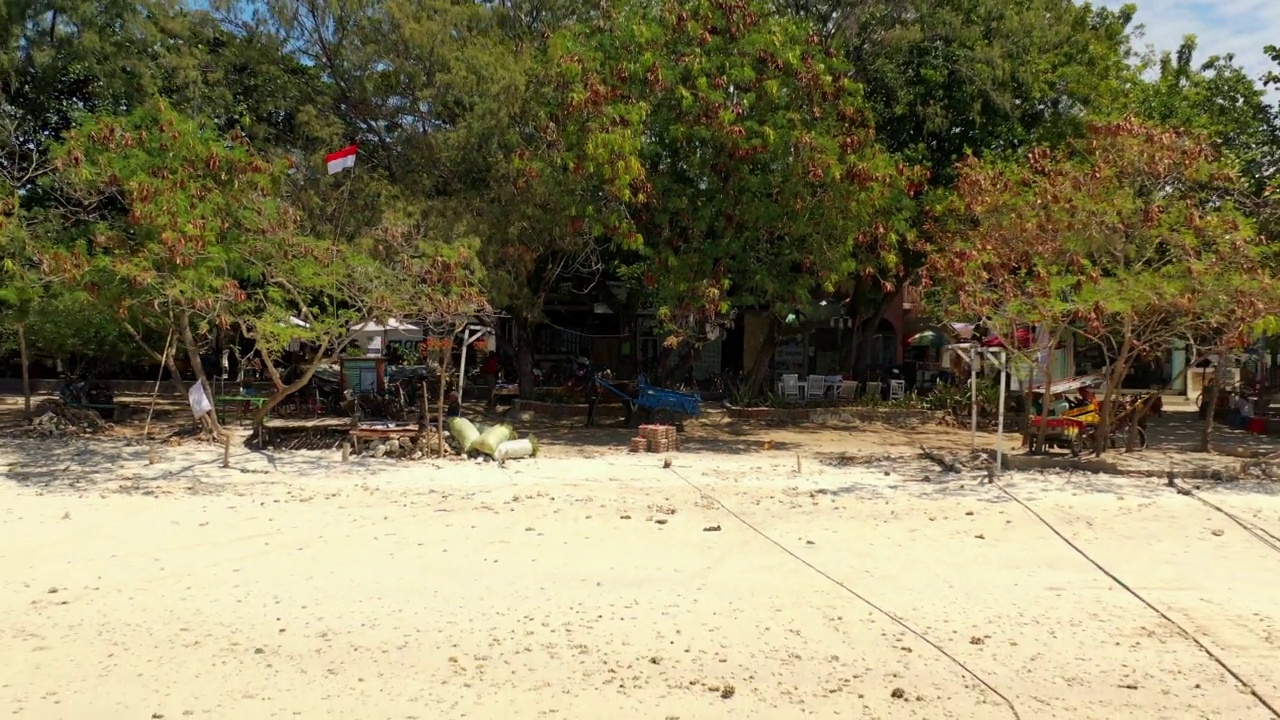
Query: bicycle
{"x":1225,"y":392}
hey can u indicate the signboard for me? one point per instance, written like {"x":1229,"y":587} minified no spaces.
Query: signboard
{"x":361,"y":376}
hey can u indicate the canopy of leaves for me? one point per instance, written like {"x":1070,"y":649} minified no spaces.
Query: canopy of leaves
{"x":1216,"y":97}
{"x":722,"y":142}
{"x":193,"y":223}
{"x":402,"y":79}
{"x":946,"y":78}
{"x":1132,"y":233}
{"x":177,"y":213}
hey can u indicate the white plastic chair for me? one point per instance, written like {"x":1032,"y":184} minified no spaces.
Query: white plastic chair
{"x":897,"y":389}
{"x":848,"y":390}
{"x":791,"y":387}
{"x":815,"y":387}
{"x":873,"y":391}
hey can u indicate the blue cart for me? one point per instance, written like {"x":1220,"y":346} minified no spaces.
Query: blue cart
{"x":664,"y":407}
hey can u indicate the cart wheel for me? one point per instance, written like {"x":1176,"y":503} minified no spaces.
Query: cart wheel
{"x":1077,"y":444}
{"x":1142,"y":439}
{"x":662,"y":416}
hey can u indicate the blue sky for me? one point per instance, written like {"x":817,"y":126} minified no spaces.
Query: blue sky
{"x":1241,"y":27}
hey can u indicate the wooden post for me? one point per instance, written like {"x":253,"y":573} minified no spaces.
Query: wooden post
{"x":346,"y":450}
{"x":226,"y":450}
{"x":26,"y":377}
{"x":424,"y":410}
{"x":444,"y":382}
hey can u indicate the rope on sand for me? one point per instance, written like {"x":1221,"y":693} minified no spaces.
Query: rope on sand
{"x":1260,"y":533}
{"x":1124,"y":586}
{"x":900,"y":622}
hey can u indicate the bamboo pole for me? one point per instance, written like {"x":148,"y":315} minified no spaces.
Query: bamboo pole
{"x":146,"y":428}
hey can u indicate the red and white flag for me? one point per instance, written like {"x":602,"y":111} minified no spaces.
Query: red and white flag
{"x":341,"y":160}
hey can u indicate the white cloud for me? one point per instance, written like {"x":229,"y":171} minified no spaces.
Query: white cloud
{"x":1238,"y":27}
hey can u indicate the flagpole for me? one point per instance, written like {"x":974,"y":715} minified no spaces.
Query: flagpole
{"x":346,"y":195}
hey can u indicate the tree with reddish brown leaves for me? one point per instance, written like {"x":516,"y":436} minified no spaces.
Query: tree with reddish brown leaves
{"x":1131,"y":236}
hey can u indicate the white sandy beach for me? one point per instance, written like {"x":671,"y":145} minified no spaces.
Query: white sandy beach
{"x":293,"y":585}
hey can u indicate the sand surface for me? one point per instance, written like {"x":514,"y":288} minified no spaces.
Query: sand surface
{"x":588,"y":585}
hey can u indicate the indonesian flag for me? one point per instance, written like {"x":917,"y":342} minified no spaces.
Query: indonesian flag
{"x":341,"y":160}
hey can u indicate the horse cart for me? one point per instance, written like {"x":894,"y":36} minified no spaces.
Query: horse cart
{"x":660,"y":405}
{"x":1074,"y":424}
{"x":1070,"y":422}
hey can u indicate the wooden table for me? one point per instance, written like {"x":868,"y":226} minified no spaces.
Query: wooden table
{"x":241,"y":404}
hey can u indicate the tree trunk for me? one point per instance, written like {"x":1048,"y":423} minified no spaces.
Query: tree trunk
{"x":210,"y":419}
{"x":167,"y":360}
{"x":170,"y":361}
{"x":283,"y":391}
{"x":863,"y":344}
{"x":855,"y":355}
{"x":865,"y":333}
{"x":1115,"y":378}
{"x":673,"y":371}
{"x":1045,"y":399}
{"x":1210,"y":406}
{"x":26,"y":376}
{"x":1139,"y":411}
{"x":761,"y":364}
{"x":1026,"y":414}
{"x":524,"y":357}
{"x":631,"y":330}
{"x":1048,"y":380}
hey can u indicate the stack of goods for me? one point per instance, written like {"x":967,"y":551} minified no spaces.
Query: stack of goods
{"x":656,"y":439}
{"x":498,"y":442}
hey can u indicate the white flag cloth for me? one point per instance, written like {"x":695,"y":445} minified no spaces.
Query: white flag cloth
{"x":341,"y":160}
{"x":199,"y":400}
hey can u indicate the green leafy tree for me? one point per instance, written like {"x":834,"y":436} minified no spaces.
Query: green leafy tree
{"x":1218,"y":98}
{"x":62,"y":60}
{"x":948,"y":78}
{"x":15,"y":295}
{"x":726,"y":147}
{"x":196,"y":237}
{"x":441,"y":86}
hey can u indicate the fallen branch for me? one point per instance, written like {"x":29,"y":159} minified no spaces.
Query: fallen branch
{"x":951,"y":464}
{"x":971,"y":461}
